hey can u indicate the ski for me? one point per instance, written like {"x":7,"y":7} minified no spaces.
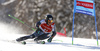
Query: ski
{"x":28,"y":42}
{"x":14,"y":41}
{"x":25,"y":42}
{"x":37,"y":42}
{"x":40,"y":42}
{"x":22,"y":42}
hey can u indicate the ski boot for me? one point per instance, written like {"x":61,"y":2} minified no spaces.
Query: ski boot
{"x":38,"y":41}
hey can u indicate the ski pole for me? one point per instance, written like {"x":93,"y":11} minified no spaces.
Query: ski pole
{"x":21,"y":22}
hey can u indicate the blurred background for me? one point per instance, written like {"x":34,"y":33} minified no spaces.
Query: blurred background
{"x":31,"y":11}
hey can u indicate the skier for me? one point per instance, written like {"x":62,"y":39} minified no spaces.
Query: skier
{"x":44,"y":29}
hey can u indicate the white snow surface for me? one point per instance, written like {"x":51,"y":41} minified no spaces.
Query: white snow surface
{"x":63,"y":43}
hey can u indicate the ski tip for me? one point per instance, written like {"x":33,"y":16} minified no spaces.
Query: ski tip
{"x":43,"y":42}
{"x":24,"y":43}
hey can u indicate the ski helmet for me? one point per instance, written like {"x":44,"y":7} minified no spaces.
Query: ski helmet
{"x":49,"y":18}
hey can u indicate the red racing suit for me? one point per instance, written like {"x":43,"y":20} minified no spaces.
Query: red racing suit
{"x":47,"y":29}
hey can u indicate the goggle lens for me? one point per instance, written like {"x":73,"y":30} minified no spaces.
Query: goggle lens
{"x":50,"y":21}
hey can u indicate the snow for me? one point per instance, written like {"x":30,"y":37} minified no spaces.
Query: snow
{"x":61,"y":43}
{"x":79,"y":45}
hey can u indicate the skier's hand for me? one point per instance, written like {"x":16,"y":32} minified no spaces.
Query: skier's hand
{"x":50,"y":39}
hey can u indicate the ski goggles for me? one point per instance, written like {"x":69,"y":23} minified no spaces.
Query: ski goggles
{"x":50,"y":21}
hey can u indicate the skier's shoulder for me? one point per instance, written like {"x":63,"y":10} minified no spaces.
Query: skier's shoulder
{"x":43,"y":20}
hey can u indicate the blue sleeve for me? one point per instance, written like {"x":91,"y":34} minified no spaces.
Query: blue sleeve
{"x":38,"y":23}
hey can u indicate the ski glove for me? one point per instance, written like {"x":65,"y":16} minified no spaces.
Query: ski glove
{"x":50,"y":39}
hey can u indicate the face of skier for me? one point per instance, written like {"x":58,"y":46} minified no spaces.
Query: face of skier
{"x":50,"y":22}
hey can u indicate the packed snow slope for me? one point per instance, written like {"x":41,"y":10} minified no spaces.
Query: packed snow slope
{"x":7,"y":33}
